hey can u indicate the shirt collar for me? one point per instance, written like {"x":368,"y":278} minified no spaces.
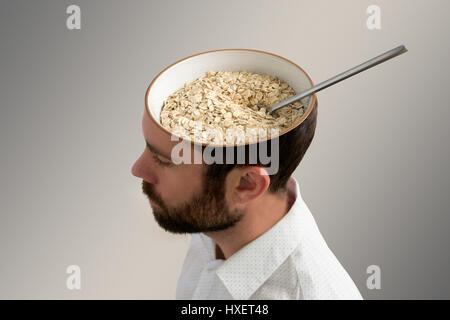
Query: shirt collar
{"x":247,"y":269}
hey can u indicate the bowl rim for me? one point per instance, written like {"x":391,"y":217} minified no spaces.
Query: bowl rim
{"x":294,"y":125}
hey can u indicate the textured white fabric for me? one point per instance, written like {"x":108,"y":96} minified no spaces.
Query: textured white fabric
{"x":289,"y":261}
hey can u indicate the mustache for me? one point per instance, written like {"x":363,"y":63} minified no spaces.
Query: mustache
{"x":150,"y":192}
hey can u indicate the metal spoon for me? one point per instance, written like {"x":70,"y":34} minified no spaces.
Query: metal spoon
{"x":342,"y":76}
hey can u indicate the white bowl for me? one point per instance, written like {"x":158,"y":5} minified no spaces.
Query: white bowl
{"x":191,"y":68}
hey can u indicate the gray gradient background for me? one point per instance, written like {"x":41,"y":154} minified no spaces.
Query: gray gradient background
{"x":376,"y":176}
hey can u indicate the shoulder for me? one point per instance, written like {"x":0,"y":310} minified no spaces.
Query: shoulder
{"x":320,"y":275}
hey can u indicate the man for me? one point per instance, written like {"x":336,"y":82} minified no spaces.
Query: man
{"x":253,"y":237}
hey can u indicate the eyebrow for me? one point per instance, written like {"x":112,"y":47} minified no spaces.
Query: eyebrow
{"x":154,"y":150}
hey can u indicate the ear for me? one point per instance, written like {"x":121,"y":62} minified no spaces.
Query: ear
{"x":252,"y":182}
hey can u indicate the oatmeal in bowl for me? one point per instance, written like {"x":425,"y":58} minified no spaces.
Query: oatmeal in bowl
{"x":223,"y":107}
{"x":220,"y":97}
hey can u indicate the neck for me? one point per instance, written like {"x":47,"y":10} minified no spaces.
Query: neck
{"x":259,"y":217}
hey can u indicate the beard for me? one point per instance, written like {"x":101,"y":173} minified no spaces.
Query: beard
{"x":206,"y":211}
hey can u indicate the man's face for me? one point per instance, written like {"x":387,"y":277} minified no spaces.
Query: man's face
{"x":183,"y":200}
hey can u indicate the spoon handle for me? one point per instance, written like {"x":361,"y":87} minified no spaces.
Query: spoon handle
{"x":342,"y":76}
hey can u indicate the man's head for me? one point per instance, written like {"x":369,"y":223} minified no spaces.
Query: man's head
{"x":190,"y":198}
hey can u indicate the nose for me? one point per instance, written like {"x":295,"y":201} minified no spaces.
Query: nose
{"x":143,"y":168}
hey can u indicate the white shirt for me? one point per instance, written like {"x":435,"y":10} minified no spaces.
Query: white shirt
{"x":291,"y":261}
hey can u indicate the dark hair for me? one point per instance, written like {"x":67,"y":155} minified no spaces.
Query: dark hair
{"x":292,"y":148}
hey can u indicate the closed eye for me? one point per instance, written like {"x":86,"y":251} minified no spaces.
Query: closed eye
{"x":161,"y":162}
{"x":158,"y":156}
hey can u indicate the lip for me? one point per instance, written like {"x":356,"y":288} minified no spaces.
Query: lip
{"x":187,"y":60}
{"x":153,"y":203}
